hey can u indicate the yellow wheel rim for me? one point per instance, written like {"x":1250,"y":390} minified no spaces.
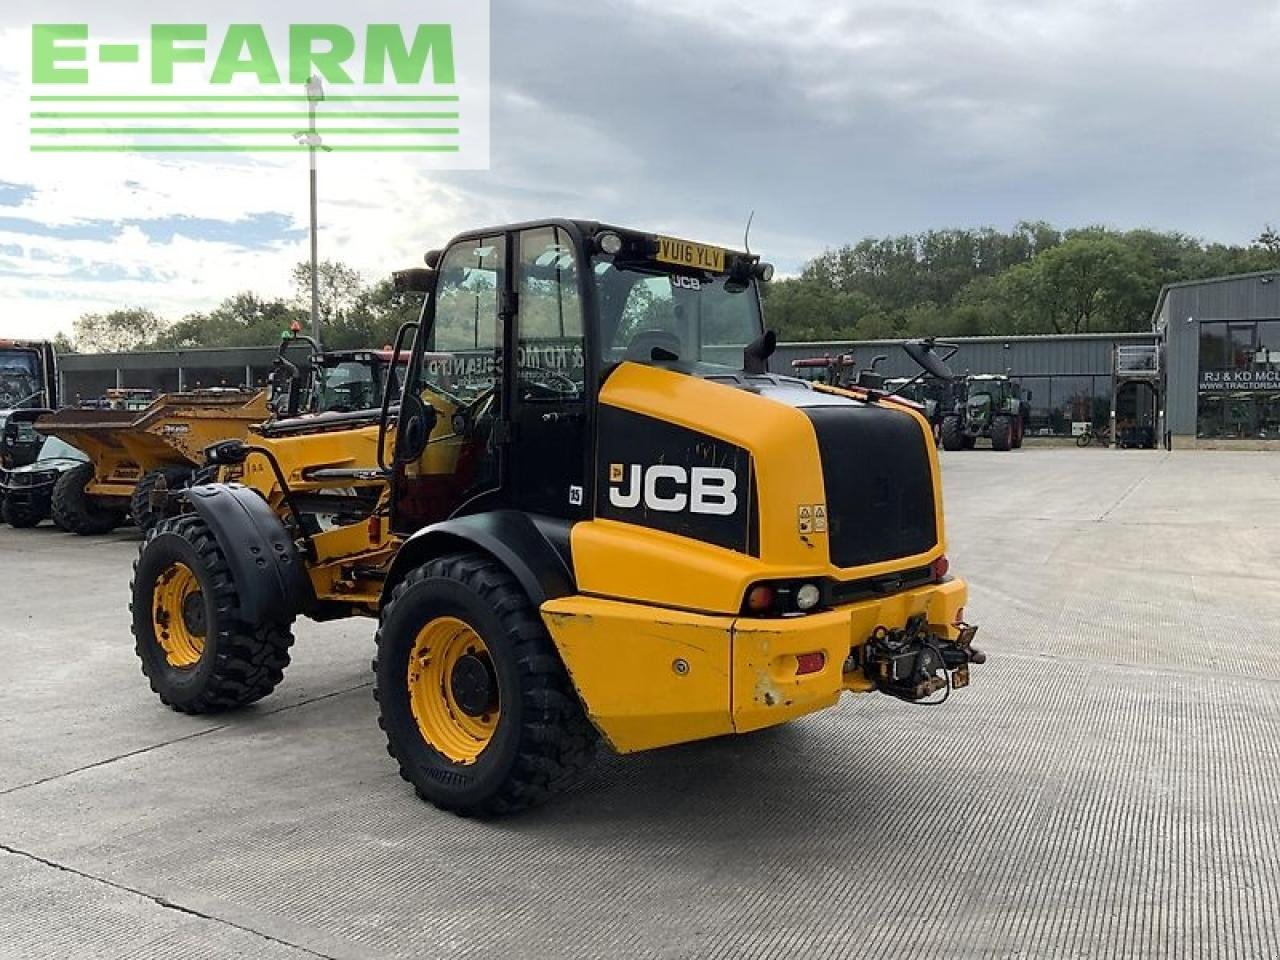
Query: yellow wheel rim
{"x":178,"y":615}
{"x":453,"y":691}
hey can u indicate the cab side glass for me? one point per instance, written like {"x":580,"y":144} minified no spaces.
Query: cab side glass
{"x":460,"y":358}
{"x":550,"y":343}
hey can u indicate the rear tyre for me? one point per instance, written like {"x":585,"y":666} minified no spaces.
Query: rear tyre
{"x":195,"y":647}
{"x":146,"y":514}
{"x":74,"y":509}
{"x":21,"y":515}
{"x":1002,"y":434}
{"x":952,"y":434}
{"x":477,"y":707}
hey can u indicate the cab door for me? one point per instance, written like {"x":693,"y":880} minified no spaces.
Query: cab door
{"x":458,"y":373}
{"x":548,"y":464}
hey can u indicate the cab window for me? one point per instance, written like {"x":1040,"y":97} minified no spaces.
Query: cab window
{"x":550,"y":337}
{"x":466,"y":335}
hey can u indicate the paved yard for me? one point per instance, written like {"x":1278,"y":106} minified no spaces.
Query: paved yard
{"x":1109,"y":786}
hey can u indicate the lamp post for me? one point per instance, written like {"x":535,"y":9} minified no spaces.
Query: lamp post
{"x":315,"y":93}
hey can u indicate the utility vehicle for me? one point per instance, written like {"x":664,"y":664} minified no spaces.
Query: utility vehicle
{"x":986,"y":405}
{"x":593,"y":514}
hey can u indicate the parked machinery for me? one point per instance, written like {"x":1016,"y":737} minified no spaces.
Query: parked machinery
{"x":132,"y":452}
{"x":28,"y":389}
{"x":27,"y":491}
{"x":986,"y":405}
{"x":594,"y":514}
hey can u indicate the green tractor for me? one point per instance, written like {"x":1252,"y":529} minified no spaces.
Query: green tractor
{"x":987,"y":405}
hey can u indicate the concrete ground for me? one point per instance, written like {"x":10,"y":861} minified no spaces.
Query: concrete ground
{"x":1110,"y":785}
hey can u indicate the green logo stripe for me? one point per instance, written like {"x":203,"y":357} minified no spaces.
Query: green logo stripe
{"x":200,"y":115}
{"x":239,"y":148}
{"x":287,"y":131}
{"x":157,"y":98}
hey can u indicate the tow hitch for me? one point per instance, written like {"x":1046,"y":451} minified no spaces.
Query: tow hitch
{"x":911,"y":663}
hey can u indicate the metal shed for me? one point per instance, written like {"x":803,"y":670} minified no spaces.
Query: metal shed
{"x":1222,"y":346}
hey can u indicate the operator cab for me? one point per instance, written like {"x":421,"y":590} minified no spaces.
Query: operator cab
{"x":28,"y":389}
{"x":569,"y":301}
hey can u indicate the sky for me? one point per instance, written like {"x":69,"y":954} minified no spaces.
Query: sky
{"x":831,"y":121}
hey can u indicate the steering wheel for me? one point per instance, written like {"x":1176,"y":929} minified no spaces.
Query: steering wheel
{"x":552,"y":383}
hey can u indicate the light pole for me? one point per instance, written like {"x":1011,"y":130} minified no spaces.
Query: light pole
{"x":315,"y":93}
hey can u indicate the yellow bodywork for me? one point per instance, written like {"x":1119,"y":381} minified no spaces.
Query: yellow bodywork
{"x":342,"y":553}
{"x":654,"y":641}
{"x":655,"y":644}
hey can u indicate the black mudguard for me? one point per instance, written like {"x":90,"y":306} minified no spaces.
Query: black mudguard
{"x":270,"y":577}
{"x":534,"y":548}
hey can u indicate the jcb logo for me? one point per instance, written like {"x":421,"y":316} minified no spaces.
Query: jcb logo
{"x":670,"y":488}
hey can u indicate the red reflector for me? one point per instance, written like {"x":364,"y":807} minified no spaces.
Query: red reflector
{"x":940,"y":567}
{"x":759,"y":599}
{"x":810,"y":662}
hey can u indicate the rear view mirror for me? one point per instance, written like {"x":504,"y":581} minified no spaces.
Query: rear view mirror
{"x":924,"y":354}
{"x":416,"y":422}
{"x":415,"y":280}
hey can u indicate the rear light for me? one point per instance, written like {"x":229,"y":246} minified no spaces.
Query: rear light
{"x":810,"y":662}
{"x":781,"y":598}
{"x":939,"y":567}
{"x":760,"y":598}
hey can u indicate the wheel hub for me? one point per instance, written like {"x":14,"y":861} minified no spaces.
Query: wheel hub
{"x":473,"y":685}
{"x":193,"y":613}
{"x":453,"y":689}
{"x":178,"y":616}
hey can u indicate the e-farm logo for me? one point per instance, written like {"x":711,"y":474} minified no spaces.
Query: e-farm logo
{"x":195,"y":87}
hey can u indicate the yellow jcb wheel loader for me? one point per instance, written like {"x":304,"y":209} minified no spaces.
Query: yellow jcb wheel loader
{"x":597,"y":515}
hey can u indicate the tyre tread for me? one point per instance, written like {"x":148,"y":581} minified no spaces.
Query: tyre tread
{"x":251,"y":660}
{"x":557,"y":740}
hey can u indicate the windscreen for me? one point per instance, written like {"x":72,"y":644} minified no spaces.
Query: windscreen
{"x":20,"y":381}
{"x":649,"y":314}
{"x":349,"y":385}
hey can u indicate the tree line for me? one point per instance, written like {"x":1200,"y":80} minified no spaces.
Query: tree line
{"x":1034,"y":278}
{"x":353,"y":314}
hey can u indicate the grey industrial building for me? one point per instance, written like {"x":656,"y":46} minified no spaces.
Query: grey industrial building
{"x":1207,"y":374}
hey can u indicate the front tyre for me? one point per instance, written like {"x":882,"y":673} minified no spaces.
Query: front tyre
{"x":952,"y":434}
{"x":477,"y":707}
{"x":78,"y":511}
{"x":195,"y":648}
{"x":1002,"y":434}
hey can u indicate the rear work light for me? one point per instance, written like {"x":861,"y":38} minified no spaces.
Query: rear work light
{"x":780,"y":598}
{"x":939,"y":567}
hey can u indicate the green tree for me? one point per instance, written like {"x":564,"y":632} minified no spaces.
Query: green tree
{"x":242,"y":320}
{"x":340,"y":288}
{"x":116,"y":331}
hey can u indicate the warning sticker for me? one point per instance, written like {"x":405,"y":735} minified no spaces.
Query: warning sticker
{"x":615,"y":473}
{"x":819,"y":518}
{"x":806,"y":518}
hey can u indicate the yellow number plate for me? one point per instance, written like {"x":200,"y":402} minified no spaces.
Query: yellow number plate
{"x":686,"y":254}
